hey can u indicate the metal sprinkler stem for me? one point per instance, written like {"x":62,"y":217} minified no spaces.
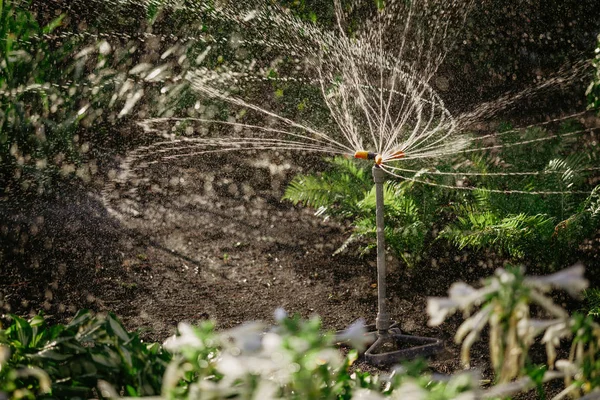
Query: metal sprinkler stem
{"x":382,"y":323}
{"x":390,"y":344}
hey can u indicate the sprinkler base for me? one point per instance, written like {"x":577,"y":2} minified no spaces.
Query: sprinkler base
{"x":392,"y":346}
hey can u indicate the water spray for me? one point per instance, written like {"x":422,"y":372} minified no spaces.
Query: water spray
{"x":390,"y":345}
{"x":378,"y":158}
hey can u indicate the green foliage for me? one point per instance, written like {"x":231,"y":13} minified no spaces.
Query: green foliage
{"x":547,"y":228}
{"x":585,"y":353}
{"x":514,"y":234}
{"x":593,"y":90}
{"x":63,"y":97}
{"x":338,"y":192}
{"x":536,"y":373}
{"x":24,"y":383}
{"x":346,"y":190}
{"x":406,"y":228}
{"x":74,"y":357}
{"x":592,"y":298}
{"x":293,"y":360}
{"x":27,"y":104}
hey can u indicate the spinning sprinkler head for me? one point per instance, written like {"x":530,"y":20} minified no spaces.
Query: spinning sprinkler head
{"x":368,"y":155}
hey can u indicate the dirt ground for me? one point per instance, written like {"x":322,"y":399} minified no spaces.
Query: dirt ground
{"x":208,"y":238}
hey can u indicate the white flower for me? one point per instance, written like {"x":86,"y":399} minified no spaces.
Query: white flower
{"x":247,"y":337}
{"x":439,"y":308}
{"x":504,"y":276}
{"x":187,"y":338}
{"x":366,"y":394}
{"x":567,"y":367}
{"x":552,"y":339}
{"x":530,"y":328}
{"x":570,"y":279}
{"x":280,"y":314}
{"x":356,"y":335}
{"x":298,"y":345}
{"x":466,"y":296}
{"x":104,"y":47}
{"x":271,"y":342}
{"x":409,"y":390}
{"x":232,"y":367}
{"x":473,"y":326}
{"x":266,"y":390}
{"x":331,"y":357}
{"x":460,"y":290}
{"x":547,"y":304}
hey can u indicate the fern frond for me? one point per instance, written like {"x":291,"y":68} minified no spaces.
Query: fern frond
{"x":583,"y":223}
{"x":334,"y":192}
{"x":309,"y":191}
{"x":592,"y":298}
{"x":511,"y":235}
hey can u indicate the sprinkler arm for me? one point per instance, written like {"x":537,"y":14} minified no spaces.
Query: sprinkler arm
{"x":368,"y":155}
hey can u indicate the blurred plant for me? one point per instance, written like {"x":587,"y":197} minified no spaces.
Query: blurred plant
{"x":69,"y":360}
{"x":505,"y":302}
{"x":592,"y":297}
{"x":62,"y":96}
{"x":23,"y":383}
{"x":27,"y":102}
{"x":583,"y":366}
{"x":593,"y":90}
{"x":294,"y":360}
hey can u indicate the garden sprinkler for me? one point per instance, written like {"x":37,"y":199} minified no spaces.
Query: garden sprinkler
{"x":390,"y":345}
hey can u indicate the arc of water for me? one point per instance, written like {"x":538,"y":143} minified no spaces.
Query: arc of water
{"x":315,"y":141}
{"x":432,"y":152}
{"x":469,"y":188}
{"x":347,"y":128}
{"x":198,"y":85}
{"x":467,"y":173}
{"x":179,"y":145}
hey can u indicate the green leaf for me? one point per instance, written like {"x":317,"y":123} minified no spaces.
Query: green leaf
{"x":51,"y":354}
{"x":23,"y":330}
{"x":54,"y":24}
{"x":131,"y":391}
{"x":126,"y":356}
{"x":105,"y":359}
{"x":82,"y":317}
{"x":117,"y":328}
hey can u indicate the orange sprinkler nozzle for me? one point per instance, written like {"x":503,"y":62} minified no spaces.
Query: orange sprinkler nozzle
{"x":367,"y":155}
{"x":363,"y":155}
{"x":378,"y":159}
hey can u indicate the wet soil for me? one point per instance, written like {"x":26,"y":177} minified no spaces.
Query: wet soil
{"x":208,"y":238}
